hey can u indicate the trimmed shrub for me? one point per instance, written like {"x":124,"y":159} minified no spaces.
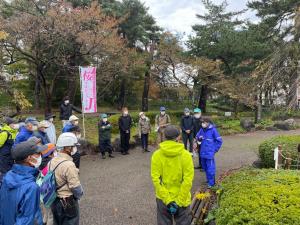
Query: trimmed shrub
{"x":289,"y":145}
{"x":284,"y":115}
{"x":260,"y":197}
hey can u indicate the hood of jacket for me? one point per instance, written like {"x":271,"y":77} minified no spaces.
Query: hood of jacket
{"x":171,"y":148}
{"x":24,"y":130}
{"x":20,"y":175}
{"x":211,"y":126}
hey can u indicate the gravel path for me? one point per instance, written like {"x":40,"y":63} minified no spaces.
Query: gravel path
{"x":119,"y":191}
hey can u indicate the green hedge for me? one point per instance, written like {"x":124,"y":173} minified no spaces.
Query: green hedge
{"x":266,"y":148}
{"x":284,"y":115}
{"x":260,"y":197}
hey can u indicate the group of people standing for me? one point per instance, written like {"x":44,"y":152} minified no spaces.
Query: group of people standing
{"x":29,"y":151}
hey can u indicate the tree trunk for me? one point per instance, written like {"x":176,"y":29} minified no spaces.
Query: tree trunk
{"x":122,"y":94}
{"x":203,"y":98}
{"x":236,"y":108}
{"x":258,"y":109}
{"x":72,"y":78}
{"x":48,"y":102}
{"x":71,"y":88}
{"x":37,"y":94}
{"x":45,"y":88}
{"x":145,"y":99}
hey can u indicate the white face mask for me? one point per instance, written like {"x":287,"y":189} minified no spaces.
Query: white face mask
{"x":104,"y":120}
{"x":197,"y":116}
{"x":78,"y":136}
{"x":76,"y":123}
{"x":55,"y":153}
{"x":51,"y":120}
{"x":187,"y":114}
{"x":163,"y":113}
{"x":125,"y":113}
{"x":15,"y":126}
{"x":204,"y":125}
{"x":74,"y":150}
{"x":34,"y":128}
{"x":38,"y":162}
{"x":67,"y":102}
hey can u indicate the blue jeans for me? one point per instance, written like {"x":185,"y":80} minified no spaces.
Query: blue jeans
{"x":199,"y":152}
{"x":209,"y":167}
{"x":145,"y":138}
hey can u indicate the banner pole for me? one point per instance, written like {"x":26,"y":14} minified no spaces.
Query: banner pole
{"x":82,"y":106}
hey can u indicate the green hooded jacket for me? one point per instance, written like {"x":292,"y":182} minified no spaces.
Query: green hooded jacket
{"x":172,"y":172}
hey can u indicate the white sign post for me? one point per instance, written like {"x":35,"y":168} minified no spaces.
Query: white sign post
{"x":276,"y":157}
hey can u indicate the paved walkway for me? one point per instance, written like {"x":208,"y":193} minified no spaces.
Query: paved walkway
{"x":119,"y":191}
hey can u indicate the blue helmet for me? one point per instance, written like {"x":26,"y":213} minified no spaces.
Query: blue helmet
{"x":162,"y":108}
{"x":197,"y":110}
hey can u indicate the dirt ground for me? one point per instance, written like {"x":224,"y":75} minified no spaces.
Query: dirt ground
{"x":119,"y":191}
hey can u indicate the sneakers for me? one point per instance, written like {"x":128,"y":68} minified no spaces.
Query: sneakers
{"x":146,"y":150}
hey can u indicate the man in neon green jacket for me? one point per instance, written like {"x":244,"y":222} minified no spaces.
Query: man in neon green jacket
{"x":172,"y":173}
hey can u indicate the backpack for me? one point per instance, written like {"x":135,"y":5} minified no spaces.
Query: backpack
{"x":9,"y":137}
{"x":48,"y":188}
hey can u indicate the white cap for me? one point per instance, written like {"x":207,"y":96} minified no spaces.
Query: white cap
{"x":44,"y":123}
{"x":73,"y":118}
{"x":66,"y":139}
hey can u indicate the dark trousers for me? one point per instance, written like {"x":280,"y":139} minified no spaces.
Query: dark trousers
{"x":105,"y":146}
{"x":188,"y":137}
{"x":183,"y":217}
{"x":76,"y":159}
{"x":145,"y":138}
{"x":125,"y":137}
{"x":60,"y":217}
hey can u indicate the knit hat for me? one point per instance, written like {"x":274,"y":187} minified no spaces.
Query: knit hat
{"x":32,"y":120}
{"x":171,"y":132}
{"x":141,"y":113}
{"x":75,"y":129}
{"x":51,"y":148}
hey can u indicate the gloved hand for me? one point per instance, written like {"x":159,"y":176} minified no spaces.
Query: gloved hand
{"x":172,"y":208}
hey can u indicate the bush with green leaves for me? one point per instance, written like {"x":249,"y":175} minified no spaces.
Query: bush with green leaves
{"x":284,"y":115}
{"x":260,"y":197}
{"x":289,"y":145}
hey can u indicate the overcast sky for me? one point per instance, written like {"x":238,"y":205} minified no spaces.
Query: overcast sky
{"x":179,"y":15}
